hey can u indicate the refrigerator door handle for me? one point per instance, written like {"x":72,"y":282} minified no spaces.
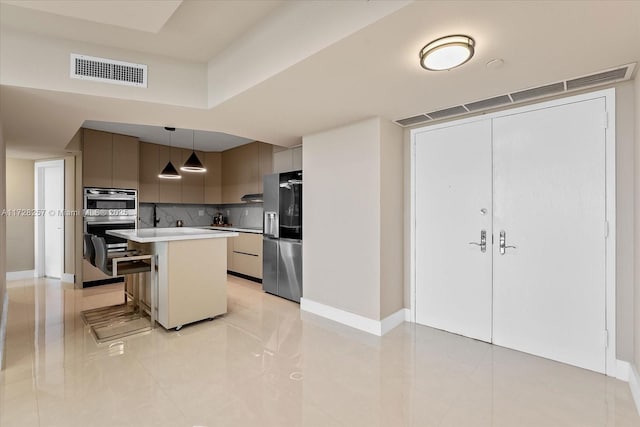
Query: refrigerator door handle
{"x":271,"y":224}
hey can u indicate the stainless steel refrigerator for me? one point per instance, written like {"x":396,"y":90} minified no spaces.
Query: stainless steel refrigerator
{"x":282,"y":242}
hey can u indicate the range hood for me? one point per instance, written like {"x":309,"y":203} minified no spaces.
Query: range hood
{"x":257,"y":197}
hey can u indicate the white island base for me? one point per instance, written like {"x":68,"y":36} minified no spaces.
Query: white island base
{"x":192,"y":274}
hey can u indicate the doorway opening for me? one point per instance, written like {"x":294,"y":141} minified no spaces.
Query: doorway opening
{"x":49,"y":218}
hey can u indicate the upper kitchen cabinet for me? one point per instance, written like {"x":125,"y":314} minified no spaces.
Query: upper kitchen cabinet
{"x":169,"y":190}
{"x":286,"y":160}
{"x":229,"y":176}
{"x":266,"y":162}
{"x":193,"y":187}
{"x":125,"y":161}
{"x":243,"y":168}
{"x":149,"y":161}
{"x":97,"y":159}
{"x":109,"y":160}
{"x":193,"y":183}
{"x":212,"y":178}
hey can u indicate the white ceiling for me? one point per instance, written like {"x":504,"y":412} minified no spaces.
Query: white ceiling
{"x":193,"y":30}
{"x":373,"y":71}
{"x":141,"y":15}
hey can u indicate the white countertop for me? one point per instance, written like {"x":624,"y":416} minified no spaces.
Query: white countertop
{"x":238,"y":229}
{"x":149,"y":235}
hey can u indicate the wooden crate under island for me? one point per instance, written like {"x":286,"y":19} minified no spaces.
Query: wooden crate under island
{"x":192,"y":271}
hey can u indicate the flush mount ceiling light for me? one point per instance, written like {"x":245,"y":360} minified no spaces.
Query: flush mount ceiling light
{"x":447,"y":52}
{"x":193,"y":163}
{"x":169,"y":171}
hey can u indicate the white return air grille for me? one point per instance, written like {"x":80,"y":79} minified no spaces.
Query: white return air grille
{"x":108,"y":71}
{"x":592,"y":80}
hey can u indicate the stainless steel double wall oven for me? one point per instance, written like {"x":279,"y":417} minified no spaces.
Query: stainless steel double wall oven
{"x":110,"y":209}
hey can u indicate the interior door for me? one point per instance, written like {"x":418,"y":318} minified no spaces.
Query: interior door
{"x":53,"y":234}
{"x":453,"y":208}
{"x":549,"y":200}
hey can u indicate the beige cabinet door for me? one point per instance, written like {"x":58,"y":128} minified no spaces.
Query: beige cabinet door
{"x":192,"y":182}
{"x":282,"y":161}
{"x":250,"y":243}
{"x":149,"y":170}
{"x":243,"y":168}
{"x":296,"y":154}
{"x":287,"y":160}
{"x":169,"y":190}
{"x":266,"y":165}
{"x":240,"y":166}
{"x":97,"y":159}
{"x":247,"y":254}
{"x":125,"y":162}
{"x":230,"y":246}
{"x":213,"y":178}
{"x":249,"y":265}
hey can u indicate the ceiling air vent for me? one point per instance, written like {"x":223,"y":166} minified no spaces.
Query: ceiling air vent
{"x":488,"y":103}
{"x":413,"y":120}
{"x":447,"y":112}
{"x":108,"y":71}
{"x":621,"y":73}
{"x":537,"y":92}
{"x":597,"y":79}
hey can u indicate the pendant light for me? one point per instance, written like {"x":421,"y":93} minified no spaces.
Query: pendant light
{"x":169,"y":171}
{"x":193,"y":163}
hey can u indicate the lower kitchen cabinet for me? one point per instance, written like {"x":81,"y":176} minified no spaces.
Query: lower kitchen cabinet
{"x":244,"y":255}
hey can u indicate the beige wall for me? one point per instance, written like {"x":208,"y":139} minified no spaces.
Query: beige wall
{"x":353,"y":220}
{"x":391,"y":226}
{"x":3,"y":250}
{"x":20,"y":228}
{"x":341,"y":221}
{"x":69,"y":221}
{"x":78,"y":225}
{"x":625,"y":115}
{"x":636,"y":319}
{"x":407,"y":215}
{"x":176,"y":82}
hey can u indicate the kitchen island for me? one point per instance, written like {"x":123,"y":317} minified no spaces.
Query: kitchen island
{"x":191,"y":272}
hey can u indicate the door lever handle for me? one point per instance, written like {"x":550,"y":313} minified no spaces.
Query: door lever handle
{"x":483,"y":241}
{"x":503,"y":243}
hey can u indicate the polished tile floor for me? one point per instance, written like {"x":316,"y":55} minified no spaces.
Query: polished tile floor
{"x":266,"y":364}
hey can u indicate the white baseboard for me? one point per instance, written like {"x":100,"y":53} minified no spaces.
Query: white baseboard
{"x":375,"y":327}
{"x":19,"y":275}
{"x":622,"y":370}
{"x":634,"y":385}
{"x":396,"y":319}
{"x":68,"y":278}
{"x":4,"y":305}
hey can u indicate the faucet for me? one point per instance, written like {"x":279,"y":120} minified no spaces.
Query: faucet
{"x":156,"y":220}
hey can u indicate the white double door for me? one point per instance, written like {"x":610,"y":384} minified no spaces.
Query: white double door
{"x":534,"y":184}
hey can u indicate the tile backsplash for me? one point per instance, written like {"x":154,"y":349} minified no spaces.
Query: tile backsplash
{"x":246,"y":215}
